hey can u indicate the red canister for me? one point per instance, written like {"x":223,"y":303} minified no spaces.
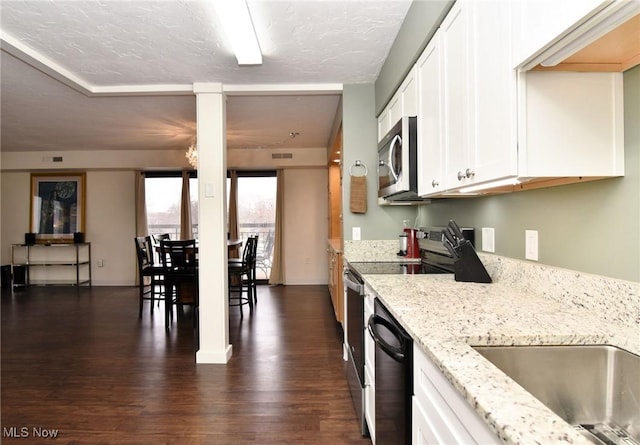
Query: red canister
{"x":413,"y":248}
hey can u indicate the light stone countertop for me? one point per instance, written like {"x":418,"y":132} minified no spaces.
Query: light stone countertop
{"x":527,"y":304}
{"x":375,"y":250}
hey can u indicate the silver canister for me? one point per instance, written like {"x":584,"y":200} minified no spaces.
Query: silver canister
{"x":403,"y":242}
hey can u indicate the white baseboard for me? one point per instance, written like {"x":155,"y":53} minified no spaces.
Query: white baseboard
{"x":214,"y":357}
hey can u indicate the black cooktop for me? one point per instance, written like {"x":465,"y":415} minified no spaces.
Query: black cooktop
{"x":395,"y":268}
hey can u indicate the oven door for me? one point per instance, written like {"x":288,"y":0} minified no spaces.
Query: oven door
{"x":355,"y":344}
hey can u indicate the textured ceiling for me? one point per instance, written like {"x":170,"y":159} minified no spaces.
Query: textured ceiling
{"x":155,"y":43}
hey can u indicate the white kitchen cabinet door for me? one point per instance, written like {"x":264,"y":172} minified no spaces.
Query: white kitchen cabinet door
{"x":480,"y":94}
{"x":431,"y":149}
{"x":422,"y":429}
{"x":539,"y":23}
{"x":383,"y":123}
{"x":395,"y":110}
{"x":447,"y":417}
{"x":494,"y":141}
{"x":405,"y":100}
{"x":455,"y":34}
{"x":409,"y":94}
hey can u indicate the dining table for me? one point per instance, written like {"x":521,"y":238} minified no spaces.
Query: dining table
{"x":233,"y":247}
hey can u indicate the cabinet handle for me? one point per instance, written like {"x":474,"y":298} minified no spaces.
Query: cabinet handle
{"x":434,"y":183}
{"x":461,"y":176}
{"x":469,"y":173}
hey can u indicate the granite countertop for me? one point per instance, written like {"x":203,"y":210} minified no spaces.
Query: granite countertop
{"x":527,"y":304}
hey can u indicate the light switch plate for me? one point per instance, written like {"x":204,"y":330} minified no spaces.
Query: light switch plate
{"x":531,"y":245}
{"x":355,"y":233}
{"x":488,"y":239}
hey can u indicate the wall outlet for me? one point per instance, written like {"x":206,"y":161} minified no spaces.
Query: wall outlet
{"x":355,"y":233}
{"x":307,"y":260}
{"x":100,"y":263}
{"x":488,"y":239}
{"x":531,"y":245}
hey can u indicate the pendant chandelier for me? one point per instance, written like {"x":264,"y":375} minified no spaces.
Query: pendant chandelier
{"x":192,"y":155}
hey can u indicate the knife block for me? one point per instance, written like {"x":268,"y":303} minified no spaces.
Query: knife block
{"x":468,"y":268}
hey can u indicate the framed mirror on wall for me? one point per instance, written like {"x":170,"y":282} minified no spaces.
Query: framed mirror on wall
{"x":57,"y":206}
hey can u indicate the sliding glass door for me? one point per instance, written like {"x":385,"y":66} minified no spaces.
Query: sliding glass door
{"x":257,"y":214}
{"x":163,"y":194}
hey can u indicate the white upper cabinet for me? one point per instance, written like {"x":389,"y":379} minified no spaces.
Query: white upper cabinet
{"x":479,"y":91}
{"x":383,"y":124}
{"x":409,"y":94}
{"x":457,"y":62}
{"x":403,"y":103}
{"x":480,"y":120}
{"x":494,"y":114}
{"x":571,"y":124}
{"x":431,"y":155}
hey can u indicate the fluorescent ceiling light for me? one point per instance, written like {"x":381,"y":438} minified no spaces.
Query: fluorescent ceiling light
{"x":236,"y":20}
{"x":490,"y":185}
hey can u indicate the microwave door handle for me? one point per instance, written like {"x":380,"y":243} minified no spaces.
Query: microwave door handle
{"x":395,"y":144}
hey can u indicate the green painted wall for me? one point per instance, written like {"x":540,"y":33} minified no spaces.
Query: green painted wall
{"x":592,"y":227}
{"x":359,"y":140}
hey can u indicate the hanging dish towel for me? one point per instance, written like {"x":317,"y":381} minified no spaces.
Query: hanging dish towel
{"x":358,"y":194}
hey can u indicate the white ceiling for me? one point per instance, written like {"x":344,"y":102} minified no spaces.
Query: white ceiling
{"x":72,"y":72}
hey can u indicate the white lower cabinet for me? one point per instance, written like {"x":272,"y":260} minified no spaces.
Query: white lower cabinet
{"x":370,"y":403}
{"x":440,"y":414}
{"x":369,"y":368}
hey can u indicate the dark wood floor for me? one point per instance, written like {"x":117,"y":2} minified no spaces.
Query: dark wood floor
{"x":80,"y":362}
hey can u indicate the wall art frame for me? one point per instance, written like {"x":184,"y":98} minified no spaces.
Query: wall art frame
{"x":58,"y":206}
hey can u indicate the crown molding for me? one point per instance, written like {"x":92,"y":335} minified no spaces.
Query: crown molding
{"x":17,"y":49}
{"x":14,"y":47}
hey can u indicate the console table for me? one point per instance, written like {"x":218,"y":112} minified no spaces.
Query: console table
{"x":53,"y":264}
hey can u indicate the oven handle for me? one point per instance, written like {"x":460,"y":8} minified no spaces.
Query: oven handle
{"x":359,"y":288}
{"x":397,"y":354}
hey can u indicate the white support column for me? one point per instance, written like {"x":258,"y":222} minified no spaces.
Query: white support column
{"x":212,"y":232}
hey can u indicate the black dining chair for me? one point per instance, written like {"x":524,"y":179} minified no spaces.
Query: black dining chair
{"x":155,"y":239}
{"x":242,"y":276}
{"x":180,"y":266}
{"x":147,"y":269}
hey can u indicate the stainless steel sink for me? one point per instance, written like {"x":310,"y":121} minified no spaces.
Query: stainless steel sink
{"x":594,"y":388}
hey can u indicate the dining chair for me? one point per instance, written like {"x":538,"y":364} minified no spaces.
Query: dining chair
{"x":264,"y":256}
{"x":242,"y":276}
{"x":147,"y":269}
{"x":180,"y":266}
{"x":156,"y":238}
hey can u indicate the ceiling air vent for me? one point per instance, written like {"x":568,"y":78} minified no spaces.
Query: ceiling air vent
{"x":281,"y":155}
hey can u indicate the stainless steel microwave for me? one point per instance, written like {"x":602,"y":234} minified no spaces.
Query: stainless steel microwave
{"x":398,"y":161}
